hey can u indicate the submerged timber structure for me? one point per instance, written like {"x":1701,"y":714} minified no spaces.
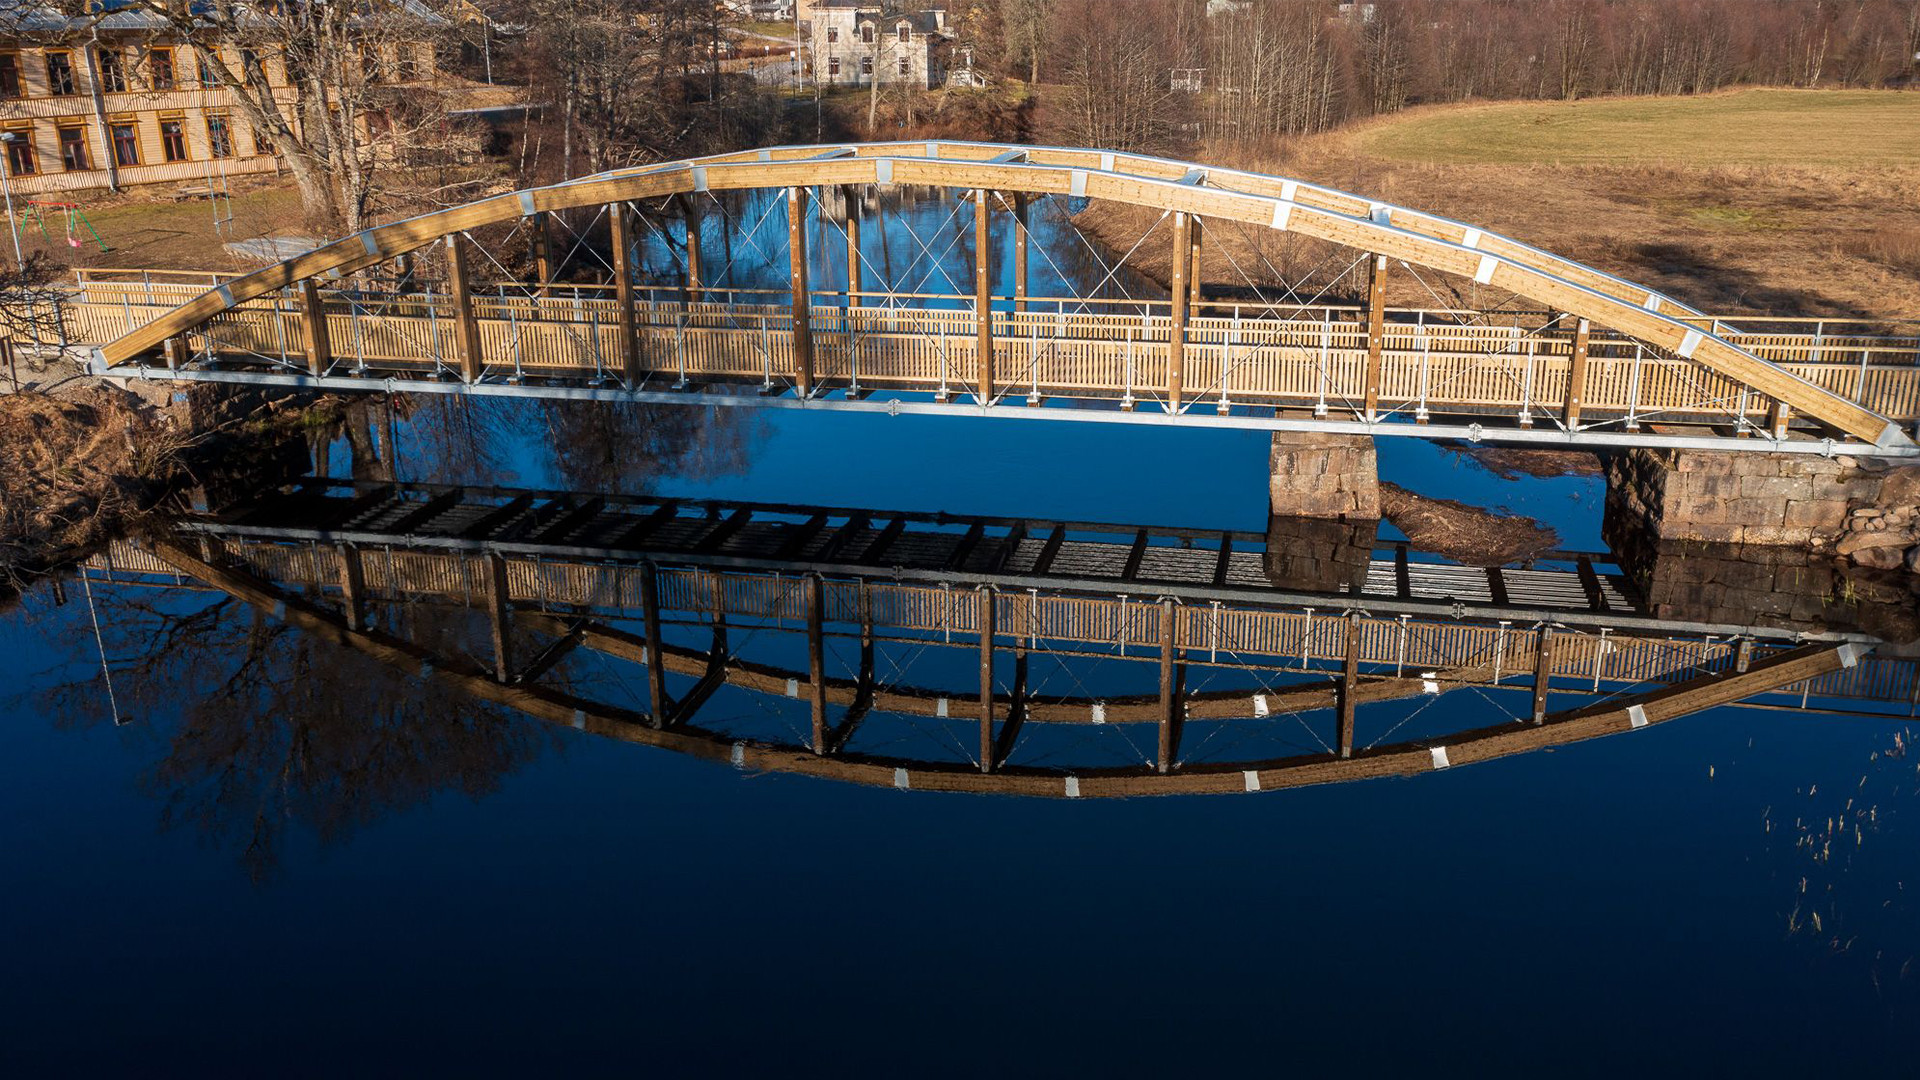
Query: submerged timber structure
{"x":1561,"y":353}
{"x":1259,"y":685}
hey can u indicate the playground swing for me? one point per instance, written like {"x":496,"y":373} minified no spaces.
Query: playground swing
{"x":76,"y":219}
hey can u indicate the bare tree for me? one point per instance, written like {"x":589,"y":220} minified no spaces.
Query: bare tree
{"x":335,"y":89}
{"x":1115,"y":77}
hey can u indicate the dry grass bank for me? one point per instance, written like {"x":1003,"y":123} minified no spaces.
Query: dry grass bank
{"x":1717,"y":201}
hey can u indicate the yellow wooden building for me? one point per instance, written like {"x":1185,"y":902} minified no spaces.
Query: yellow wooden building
{"x":119,"y":105}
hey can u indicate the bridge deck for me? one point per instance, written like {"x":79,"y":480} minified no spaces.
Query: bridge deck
{"x":1309,"y":360}
{"x":593,"y":554}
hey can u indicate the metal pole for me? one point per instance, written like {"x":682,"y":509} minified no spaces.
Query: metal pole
{"x":6,"y":185}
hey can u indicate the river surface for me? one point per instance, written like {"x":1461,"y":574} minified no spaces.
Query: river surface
{"x":245,"y":850}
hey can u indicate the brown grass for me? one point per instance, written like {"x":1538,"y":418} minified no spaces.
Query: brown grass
{"x":1470,"y":534}
{"x":76,"y":467}
{"x":1736,"y":237}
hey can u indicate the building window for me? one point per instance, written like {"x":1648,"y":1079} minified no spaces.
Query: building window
{"x":9,"y":75}
{"x":59,"y":74}
{"x":250,"y":64}
{"x":204,"y":70}
{"x":866,"y":65}
{"x":160,"y":69}
{"x":906,"y":33}
{"x":219,"y":137}
{"x":126,"y":142}
{"x":866,"y":34}
{"x":261,"y":143}
{"x":173,"y":139}
{"x":20,"y":159}
{"x":113,"y":72}
{"x":833,"y":66}
{"x":906,"y":67}
{"x":833,"y":35}
{"x":73,"y":149}
{"x":404,"y":67}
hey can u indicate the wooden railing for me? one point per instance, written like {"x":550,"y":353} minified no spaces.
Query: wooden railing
{"x":1282,"y":639}
{"x":1280,"y":355}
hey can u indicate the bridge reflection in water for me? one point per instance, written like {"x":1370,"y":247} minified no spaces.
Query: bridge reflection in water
{"x":1199,"y":661}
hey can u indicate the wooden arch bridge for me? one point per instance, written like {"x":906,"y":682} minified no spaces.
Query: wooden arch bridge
{"x":1564,"y":354}
{"x":1257,"y":687}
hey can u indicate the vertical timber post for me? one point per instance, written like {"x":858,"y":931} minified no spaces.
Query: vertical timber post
{"x":1169,"y":743}
{"x":657,"y":701}
{"x":690,"y":214}
{"x":851,"y":194}
{"x":1778,"y":417}
{"x":983,"y":295}
{"x":1376,"y":333}
{"x":816,"y":661}
{"x":802,"y":300}
{"x":1178,"y":297}
{"x":1194,"y":294}
{"x":1020,"y":252}
{"x":542,"y":250}
{"x":1542,"y":674}
{"x":497,"y":616}
{"x":313,"y":318}
{"x":984,"y":621}
{"x":1577,"y":373}
{"x":466,"y":330}
{"x":620,"y":222}
{"x":1349,"y":675}
{"x":353,"y":588}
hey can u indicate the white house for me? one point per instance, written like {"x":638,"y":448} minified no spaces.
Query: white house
{"x":858,"y":42}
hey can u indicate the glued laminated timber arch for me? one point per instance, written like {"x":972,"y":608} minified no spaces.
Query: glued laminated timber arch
{"x":563,"y":709}
{"x":1416,"y":238}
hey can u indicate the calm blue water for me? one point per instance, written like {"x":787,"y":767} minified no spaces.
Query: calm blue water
{"x":342,"y":872}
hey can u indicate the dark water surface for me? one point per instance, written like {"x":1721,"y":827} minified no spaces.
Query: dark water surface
{"x":288,"y":861}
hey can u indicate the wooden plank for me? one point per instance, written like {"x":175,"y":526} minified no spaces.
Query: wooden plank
{"x":1332,"y":216}
{"x":690,"y":214}
{"x":353,"y":587}
{"x":1542,"y":673}
{"x":1349,"y":675}
{"x":983,"y":295}
{"x":1577,"y":373}
{"x":499,"y":615}
{"x":1051,"y":549}
{"x":1376,"y":332}
{"x":1179,"y":297}
{"x":541,"y":241}
{"x":483,"y":528}
{"x":313,"y":319}
{"x":816,"y":661}
{"x":466,"y":330}
{"x":620,"y":220}
{"x":802,"y":298}
{"x":1168,"y":745}
{"x":655,"y":660}
{"x":1019,"y":251}
{"x":984,"y":621}
{"x":851,"y":195}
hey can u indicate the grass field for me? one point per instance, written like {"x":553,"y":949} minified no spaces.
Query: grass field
{"x":1746,"y":127}
{"x":1782,"y":202}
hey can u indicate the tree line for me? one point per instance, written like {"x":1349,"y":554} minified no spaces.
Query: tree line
{"x":1166,"y":71}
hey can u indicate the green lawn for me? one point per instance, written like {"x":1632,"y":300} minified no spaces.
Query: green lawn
{"x":1745,"y":127}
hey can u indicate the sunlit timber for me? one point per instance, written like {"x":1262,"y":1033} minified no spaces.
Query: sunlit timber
{"x":1603,"y":357}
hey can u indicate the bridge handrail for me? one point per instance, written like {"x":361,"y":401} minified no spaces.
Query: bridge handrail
{"x":1339,"y":218}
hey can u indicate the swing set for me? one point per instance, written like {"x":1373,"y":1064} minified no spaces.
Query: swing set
{"x":75,"y":218}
